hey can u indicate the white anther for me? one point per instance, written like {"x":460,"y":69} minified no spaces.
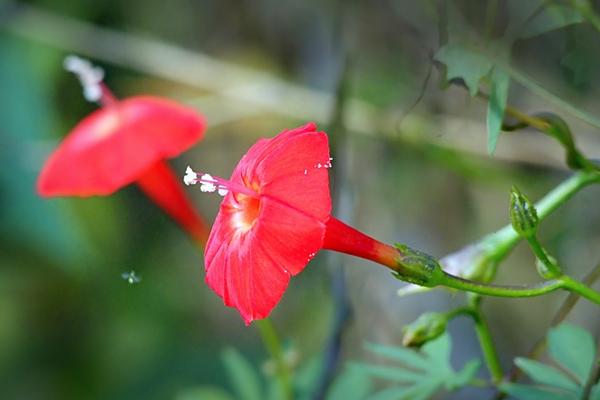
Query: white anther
{"x":222,"y":191}
{"x":206,"y":183}
{"x":89,"y":76}
{"x":190,"y":177}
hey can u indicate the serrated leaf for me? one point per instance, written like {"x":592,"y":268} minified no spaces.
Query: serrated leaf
{"x":499,"y":84}
{"x":408,"y":357}
{"x":352,"y":384}
{"x":418,"y":380}
{"x":465,"y":64}
{"x":465,"y":376}
{"x":573,"y":349}
{"x":526,"y":392}
{"x":545,"y":374}
{"x":551,"y":17}
{"x":244,"y":379}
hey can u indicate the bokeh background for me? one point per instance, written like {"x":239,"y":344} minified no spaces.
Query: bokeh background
{"x":410,"y":165}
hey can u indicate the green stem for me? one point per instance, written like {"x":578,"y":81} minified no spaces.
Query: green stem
{"x":500,"y":243}
{"x":484,"y":335}
{"x":274,"y":347}
{"x":538,"y":289}
{"x":552,"y":270}
{"x":580,"y":288}
{"x":486,"y":341}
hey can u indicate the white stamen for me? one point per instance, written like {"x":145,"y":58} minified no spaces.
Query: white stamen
{"x":222,"y":191}
{"x":190,"y":177}
{"x":206,"y":183}
{"x":305,"y":171}
{"x":89,"y":76}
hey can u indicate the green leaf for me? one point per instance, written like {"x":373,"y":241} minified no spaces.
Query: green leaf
{"x":307,"y":376}
{"x":420,"y":375}
{"x":438,"y":353}
{"x":204,"y":393}
{"x":545,"y":374}
{"x":551,"y":17}
{"x":390,"y":373}
{"x":422,"y":391}
{"x":244,"y":379}
{"x":573,"y":349}
{"x":526,"y":392}
{"x":409,"y":357}
{"x":465,"y":64}
{"x":595,"y":393}
{"x":499,"y":84}
{"x":352,"y":384}
{"x":465,"y":376}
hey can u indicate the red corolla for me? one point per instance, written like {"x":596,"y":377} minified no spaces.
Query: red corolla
{"x":273,"y":220}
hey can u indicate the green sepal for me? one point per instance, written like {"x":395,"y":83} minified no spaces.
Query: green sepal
{"x":417,"y":267}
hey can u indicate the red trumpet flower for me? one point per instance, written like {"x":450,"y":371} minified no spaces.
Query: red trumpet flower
{"x":273,"y":220}
{"x":125,"y":142}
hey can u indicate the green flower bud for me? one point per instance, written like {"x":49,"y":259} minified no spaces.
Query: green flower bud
{"x":427,"y":327}
{"x":417,"y":267}
{"x":523,"y":216}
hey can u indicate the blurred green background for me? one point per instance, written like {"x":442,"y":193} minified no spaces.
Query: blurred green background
{"x":415,"y":170}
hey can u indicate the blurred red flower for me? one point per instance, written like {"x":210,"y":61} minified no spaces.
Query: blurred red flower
{"x":126,"y":141}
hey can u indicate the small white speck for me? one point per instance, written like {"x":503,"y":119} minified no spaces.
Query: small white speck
{"x":131,"y":277}
{"x":319,"y":165}
{"x":305,"y":171}
{"x":222,"y":191}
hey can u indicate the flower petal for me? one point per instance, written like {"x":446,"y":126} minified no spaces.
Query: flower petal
{"x":113,"y":146}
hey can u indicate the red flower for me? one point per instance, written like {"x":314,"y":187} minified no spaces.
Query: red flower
{"x":273,"y":220}
{"x":125,"y":142}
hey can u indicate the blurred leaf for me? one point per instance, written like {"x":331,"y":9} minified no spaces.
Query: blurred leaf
{"x":28,"y":115}
{"x":540,"y":91}
{"x":551,"y":17}
{"x":204,"y":393}
{"x":351,"y":384}
{"x":465,"y":376}
{"x":422,"y":374}
{"x":244,"y":379}
{"x":401,"y":354}
{"x":595,"y":393}
{"x":545,"y":374}
{"x":499,"y":84}
{"x":307,"y":377}
{"x":421,"y":391}
{"x":465,"y":64}
{"x":525,"y":392}
{"x":573,"y":349}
